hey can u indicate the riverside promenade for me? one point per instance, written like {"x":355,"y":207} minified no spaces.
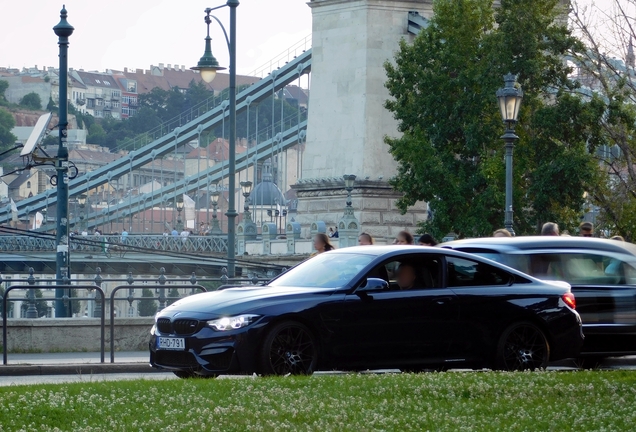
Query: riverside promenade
{"x":73,"y":363}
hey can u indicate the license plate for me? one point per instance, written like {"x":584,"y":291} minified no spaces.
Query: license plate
{"x":169,"y":343}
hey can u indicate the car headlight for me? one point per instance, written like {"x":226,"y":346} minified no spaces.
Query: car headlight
{"x":232,"y":323}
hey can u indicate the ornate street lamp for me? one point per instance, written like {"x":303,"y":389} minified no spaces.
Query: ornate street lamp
{"x":349,"y":180}
{"x":510,"y":97}
{"x":81,"y":200}
{"x":246,"y":188}
{"x":63,"y":30}
{"x":45,"y":210}
{"x":179,"y":209}
{"x":208,"y":66}
{"x":215,"y":229}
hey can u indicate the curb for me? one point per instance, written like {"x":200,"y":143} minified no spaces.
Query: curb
{"x":76,"y":369}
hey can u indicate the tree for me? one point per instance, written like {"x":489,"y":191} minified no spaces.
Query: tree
{"x":443,"y":96}
{"x":608,"y":33}
{"x":51,"y":106}
{"x":10,"y":304}
{"x":96,"y":134}
{"x":31,"y":101}
{"x":147,"y":306}
{"x":76,"y":305}
{"x":173,"y":296}
{"x":7,"y":122}
{"x":4,"y":85}
{"x":40,"y":304}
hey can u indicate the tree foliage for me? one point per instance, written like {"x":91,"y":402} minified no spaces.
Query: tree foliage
{"x":40,"y":304}
{"x":9,"y":304}
{"x":161,"y":106}
{"x":7,"y":122}
{"x":4,"y":85}
{"x":173,"y":296}
{"x":443,"y":89}
{"x":147,"y":306}
{"x":604,"y":29}
{"x":31,"y":101}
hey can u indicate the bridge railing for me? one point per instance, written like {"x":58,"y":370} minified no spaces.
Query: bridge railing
{"x":107,"y":297}
{"x":113,"y":244}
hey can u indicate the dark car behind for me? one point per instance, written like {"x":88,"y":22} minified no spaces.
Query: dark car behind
{"x":602,"y":274}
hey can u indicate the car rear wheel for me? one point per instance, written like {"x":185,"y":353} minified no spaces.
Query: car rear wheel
{"x":522,"y":346}
{"x":288,"y":348}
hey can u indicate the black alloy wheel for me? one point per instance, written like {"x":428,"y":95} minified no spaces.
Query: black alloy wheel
{"x":289,"y":348}
{"x":522,"y":346}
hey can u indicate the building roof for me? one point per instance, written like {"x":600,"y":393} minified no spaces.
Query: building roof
{"x":96,"y":79}
{"x":170,"y":77}
{"x":20,"y":179}
{"x":92,"y":157}
{"x":297,"y":93}
{"x":266,"y":193}
{"x":219,"y":149}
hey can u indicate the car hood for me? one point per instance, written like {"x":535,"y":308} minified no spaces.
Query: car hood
{"x":245,"y":298}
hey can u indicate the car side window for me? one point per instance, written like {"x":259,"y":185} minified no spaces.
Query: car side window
{"x":410,"y":272}
{"x":465,"y":273}
{"x":583,"y":269}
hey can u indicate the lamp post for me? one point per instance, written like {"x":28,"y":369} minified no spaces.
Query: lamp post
{"x":349,"y":180}
{"x":179,"y":209}
{"x":63,"y":30}
{"x":246,"y":188}
{"x":82,"y":203}
{"x":45,"y":210}
{"x":214,"y":198}
{"x":509,"y":97}
{"x":208,"y":66}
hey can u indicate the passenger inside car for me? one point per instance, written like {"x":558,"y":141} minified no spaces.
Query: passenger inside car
{"x":408,"y":273}
{"x":407,"y":276}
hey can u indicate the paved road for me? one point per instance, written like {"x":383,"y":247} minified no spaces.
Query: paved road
{"x":25,"y":369}
{"x":59,"y":379}
{"x":76,"y":358}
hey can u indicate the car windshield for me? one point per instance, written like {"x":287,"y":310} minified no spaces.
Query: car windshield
{"x":326,"y":270}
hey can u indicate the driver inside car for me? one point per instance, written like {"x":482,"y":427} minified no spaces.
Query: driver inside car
{"x":406,"y":276}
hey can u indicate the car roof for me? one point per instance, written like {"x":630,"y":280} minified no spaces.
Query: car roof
{"x":388,"y":249}
{"x":391,"y":250}
{"x":544,"y":242}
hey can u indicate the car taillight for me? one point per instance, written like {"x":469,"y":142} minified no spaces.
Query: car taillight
{"x":568,"y":299}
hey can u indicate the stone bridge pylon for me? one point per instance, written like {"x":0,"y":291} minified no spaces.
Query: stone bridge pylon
{"x":347,"y":120}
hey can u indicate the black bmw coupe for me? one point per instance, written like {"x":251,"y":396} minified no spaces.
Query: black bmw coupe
{"x":372,"y":307}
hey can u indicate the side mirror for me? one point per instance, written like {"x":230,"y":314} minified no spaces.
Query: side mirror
{"x":373,"y":284}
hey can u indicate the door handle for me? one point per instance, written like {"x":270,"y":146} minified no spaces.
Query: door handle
{"x":442,"y":300}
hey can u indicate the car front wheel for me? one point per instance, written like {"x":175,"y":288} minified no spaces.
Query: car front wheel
{"x":522,"y":346}
{"x":288,"y":348}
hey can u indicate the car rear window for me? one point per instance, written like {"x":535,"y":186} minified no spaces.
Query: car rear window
{"x":518,"y":262}
{"x":464,"y":272}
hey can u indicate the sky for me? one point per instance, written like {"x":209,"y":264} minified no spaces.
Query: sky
{"x":113,"y":34}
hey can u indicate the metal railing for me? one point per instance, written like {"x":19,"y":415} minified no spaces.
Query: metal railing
{"x":115,"y":244}
{"x":185,"y":286}
{"x":284,"y":57}
{"x":67,"y":298}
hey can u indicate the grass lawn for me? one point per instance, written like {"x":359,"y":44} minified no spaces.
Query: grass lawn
{"x":483,"y":401}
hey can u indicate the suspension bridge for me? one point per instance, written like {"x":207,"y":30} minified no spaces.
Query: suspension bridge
{"x":282,"y":136}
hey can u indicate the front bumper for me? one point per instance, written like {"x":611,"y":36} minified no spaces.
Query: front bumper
{"x":209,"y":352}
